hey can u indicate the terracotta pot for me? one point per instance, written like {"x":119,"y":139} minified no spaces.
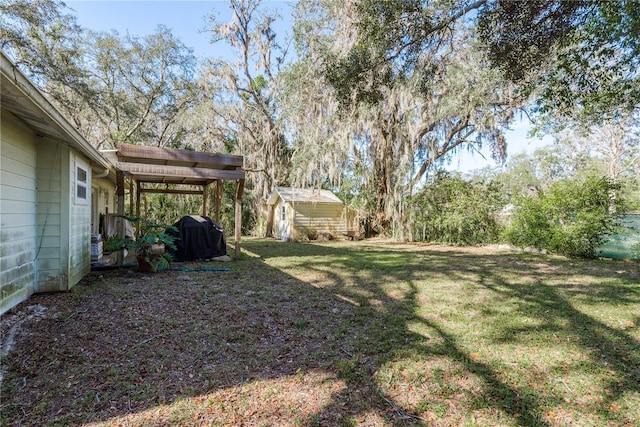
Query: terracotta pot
{"x":145,"y":266}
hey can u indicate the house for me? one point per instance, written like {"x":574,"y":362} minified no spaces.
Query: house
{"x":297,"y":213}
{"x":53,"y":188}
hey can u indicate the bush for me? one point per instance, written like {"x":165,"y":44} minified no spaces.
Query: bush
{"x":454,"y":211}
{"x":571,"y":218}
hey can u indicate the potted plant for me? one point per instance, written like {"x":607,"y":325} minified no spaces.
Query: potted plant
{"x":149,"y":235}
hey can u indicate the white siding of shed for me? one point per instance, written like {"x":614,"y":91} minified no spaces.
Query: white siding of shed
{"x":319,"y":217}
{"x":18,"y":206}
{"x":303,"y":218}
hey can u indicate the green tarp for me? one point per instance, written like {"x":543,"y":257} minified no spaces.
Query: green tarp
{"x":621,"y":245}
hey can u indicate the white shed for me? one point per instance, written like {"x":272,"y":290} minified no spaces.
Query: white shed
{"x":298,"y":213}
{"x":46,"y":186}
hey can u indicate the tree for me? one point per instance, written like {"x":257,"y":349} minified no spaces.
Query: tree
{"x":580,"y":149}
{"x":246,"y":94}
{"x":616,"y":144}
{"x":395,"y":131}
{"x":115,"y":89}
{"x":130,"y":89}
{"x":613,"y":148}
{"x":409,"y":132}
{"x":525,"y":174}
{"x":321,"y":134}
{"x":577,"y":57}
{"x":143,"y":86}
{"x":46,"y":44}
{"x":390,"y":42}
{"x":26,"y":20}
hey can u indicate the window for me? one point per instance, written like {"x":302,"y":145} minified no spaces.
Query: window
{"x":81,"y":183}
{"x":283,"y":213}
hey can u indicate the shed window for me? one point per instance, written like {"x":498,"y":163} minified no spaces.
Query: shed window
{"x":81,"y":183}
{"x":283,"y":213}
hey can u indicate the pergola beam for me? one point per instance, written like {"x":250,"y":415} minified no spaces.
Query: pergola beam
{"x":166,"y":156}
{"x":145,"y":172}
{"x":170,"y":191}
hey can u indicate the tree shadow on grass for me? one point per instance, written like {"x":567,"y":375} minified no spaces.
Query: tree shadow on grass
{"x":127,"y":343}
{"x":607,"y":347}
{"x":366,"y":292}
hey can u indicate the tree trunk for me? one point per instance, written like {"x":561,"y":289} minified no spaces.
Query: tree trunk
{"x":269,"y":230}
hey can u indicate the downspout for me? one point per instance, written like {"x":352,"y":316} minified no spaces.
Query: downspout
{"x":103,"y":174}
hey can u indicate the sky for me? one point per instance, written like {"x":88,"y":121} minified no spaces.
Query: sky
{"x":187,"y":21}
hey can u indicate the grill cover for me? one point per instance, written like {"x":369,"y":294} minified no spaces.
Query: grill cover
{"x":197,"y":238}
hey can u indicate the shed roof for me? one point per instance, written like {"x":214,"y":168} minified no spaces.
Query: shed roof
{"x":303,"y":195}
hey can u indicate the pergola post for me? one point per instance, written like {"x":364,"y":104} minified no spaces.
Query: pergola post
{"x":130,"y":196}
{"x":238,"y":217}
{"x":218,"y":196}
{"x":205,"y":189}
{"x":120,"y":210}
{"x":138,"y":192}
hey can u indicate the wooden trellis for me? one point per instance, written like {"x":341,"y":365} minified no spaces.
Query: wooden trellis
{"x":145,"y":165}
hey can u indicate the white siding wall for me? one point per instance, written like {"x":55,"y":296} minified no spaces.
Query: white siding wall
{"x":64,"y":220}
{"x":18,"y":213}
{"x":53,"y":161}
{"x":276,"y":221}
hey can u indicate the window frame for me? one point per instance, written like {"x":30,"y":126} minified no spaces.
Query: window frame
{"x":81,"y":185}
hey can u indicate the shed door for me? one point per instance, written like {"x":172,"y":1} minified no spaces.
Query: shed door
{"x":284,"y":235}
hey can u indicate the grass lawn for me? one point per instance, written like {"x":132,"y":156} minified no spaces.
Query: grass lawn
{"x":335,"y":334}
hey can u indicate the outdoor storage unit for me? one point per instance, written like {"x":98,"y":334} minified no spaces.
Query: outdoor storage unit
{"x":304,"y":212}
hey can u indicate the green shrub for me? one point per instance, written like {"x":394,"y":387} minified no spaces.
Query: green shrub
{"x":573,"y":217}
{"x":452,"y":210}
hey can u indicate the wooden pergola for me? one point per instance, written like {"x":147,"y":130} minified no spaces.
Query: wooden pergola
{"x":144,"y":165}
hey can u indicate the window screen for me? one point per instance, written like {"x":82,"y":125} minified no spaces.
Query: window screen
{"x":81,"y":183}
